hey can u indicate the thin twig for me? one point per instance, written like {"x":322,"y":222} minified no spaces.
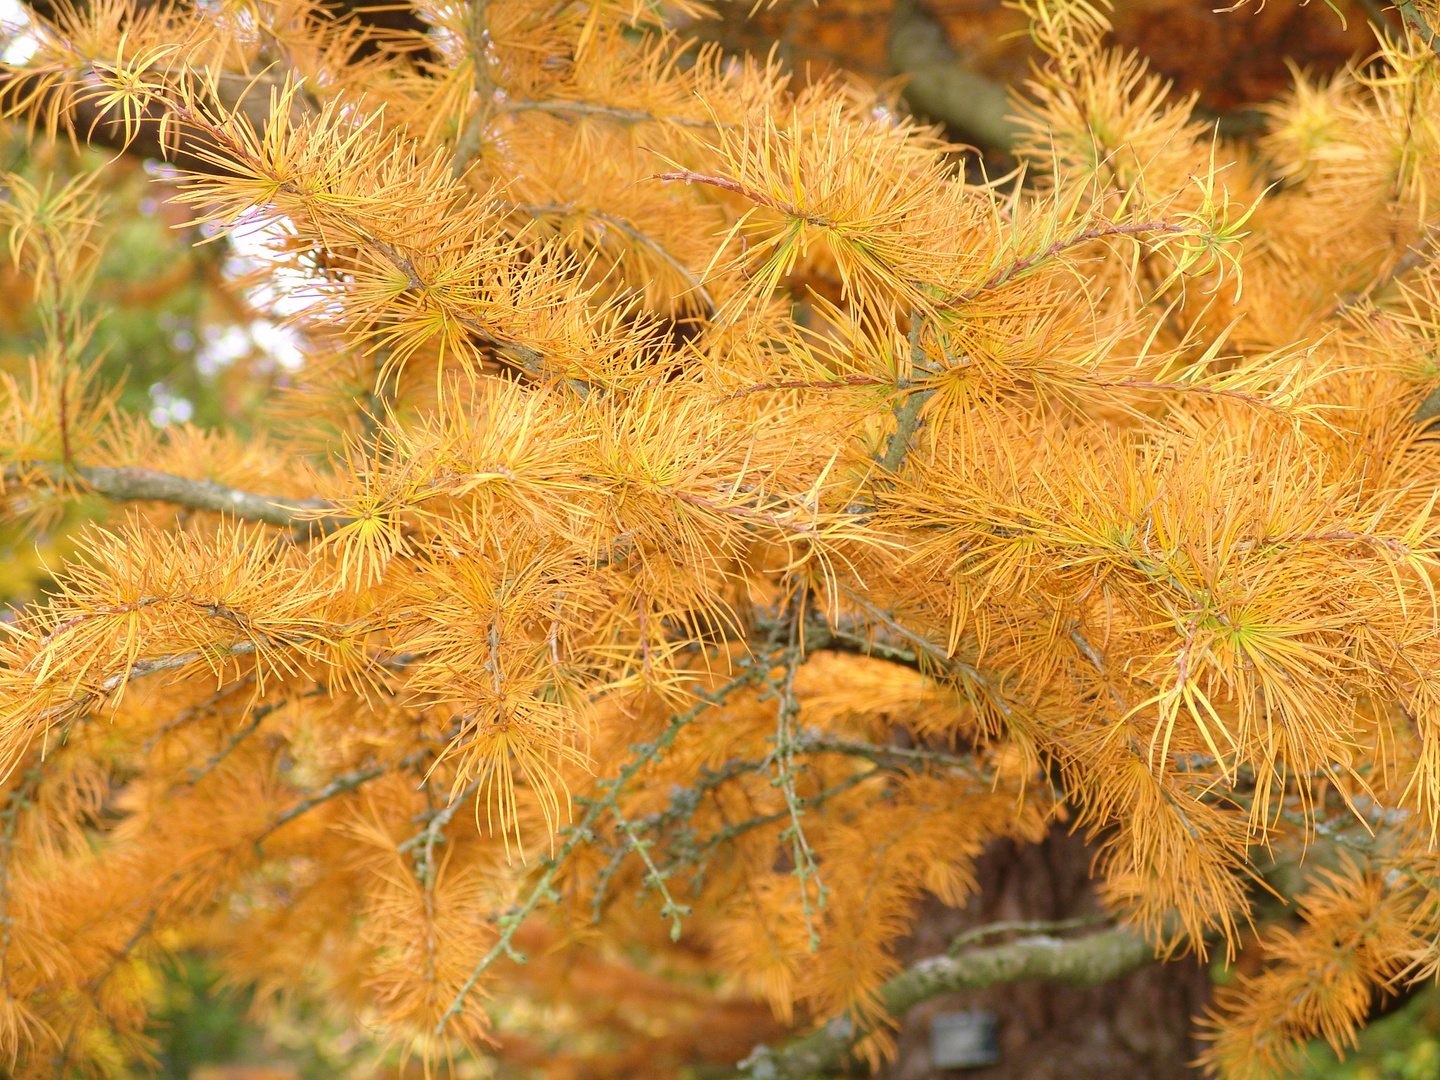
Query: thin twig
{"x":1417,"y":22}
{"x":339,"y":786}
{"x":510,"y":922}
{"x":477,"y":42}
{"x":1416,"y":255}
{"x":907,"y":409}
{"x":962,"y":941}
{"x":654,"y":876}
{"x":787,"y":709}
{"x":611,"y":112}
{"x":620,"y":224}
{"x":1019,"y":266}
{"x":260,"y":713}
{"x":889,"y":757}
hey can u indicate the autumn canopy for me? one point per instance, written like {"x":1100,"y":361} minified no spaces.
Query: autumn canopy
{"x":709,"y":512}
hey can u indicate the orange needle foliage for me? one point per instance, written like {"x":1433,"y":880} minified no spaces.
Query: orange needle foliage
{"x":704,"y":520}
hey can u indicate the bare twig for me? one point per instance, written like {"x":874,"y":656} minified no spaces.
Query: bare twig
{"x":782,"y":757}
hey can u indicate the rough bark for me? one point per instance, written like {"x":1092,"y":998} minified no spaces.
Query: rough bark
{"x":1137,"y":1027}
{"x":1096,"y":1004}
{"x":1086,"y":961}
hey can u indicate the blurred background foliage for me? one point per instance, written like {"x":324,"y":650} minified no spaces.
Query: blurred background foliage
{"x":1402,"y":1046}
{"x":184,"y":342}
{"x":174,"y":330}
{"x":206,"y":1030}
{"x":1233,"y":59}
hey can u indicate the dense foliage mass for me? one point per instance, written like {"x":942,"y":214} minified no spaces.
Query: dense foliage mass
{"x":704,"y":519}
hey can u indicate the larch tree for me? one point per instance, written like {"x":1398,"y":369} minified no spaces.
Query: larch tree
{"x":705,"y":518}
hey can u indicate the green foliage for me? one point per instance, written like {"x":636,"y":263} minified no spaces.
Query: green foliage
{"x":1402,"y":1046}
{"x":199,"y":1020}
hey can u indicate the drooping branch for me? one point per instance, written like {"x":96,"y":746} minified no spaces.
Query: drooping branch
{"x":584,"y":832}
{"x":1086,"y":961}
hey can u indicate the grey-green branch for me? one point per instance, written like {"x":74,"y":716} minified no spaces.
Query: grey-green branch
{"x":1085,"y":961}
{"x":126,"y":484}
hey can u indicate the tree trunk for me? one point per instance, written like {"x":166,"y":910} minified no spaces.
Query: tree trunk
{"x":1135,"y":1028}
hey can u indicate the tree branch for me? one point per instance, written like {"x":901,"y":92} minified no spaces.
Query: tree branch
{"x":613,"y":112}
{"x":1429,"y":408}
{"x":128,"y":484}
{"x":890,"y":757}
{"x":584,"y":833}
{"x":339,"y":786}
{"x":1416,"y":20}
{"x":476,"y":40}
{"x":25,"y":91}
{"x":941,"y":87}
{"x":1087,"y":961}
{"x":623,"y":226}
{"x":1027,"y":262}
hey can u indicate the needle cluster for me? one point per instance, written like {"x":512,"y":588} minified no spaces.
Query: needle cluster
{"x":705,"y":519}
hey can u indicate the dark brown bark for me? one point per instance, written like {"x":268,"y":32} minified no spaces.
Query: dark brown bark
{"x":1138,"y":1027}
{"x":395,"y":28}
{"x":390,"y":25}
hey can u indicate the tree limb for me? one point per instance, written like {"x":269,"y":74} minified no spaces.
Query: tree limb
{"x":1429,"y":408}
{"x":941,"y":87}
{"x":613,"y":112}
{"x":1086,"y":961}
{"x":1417,"y":21}
{"x":128,"y":484}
